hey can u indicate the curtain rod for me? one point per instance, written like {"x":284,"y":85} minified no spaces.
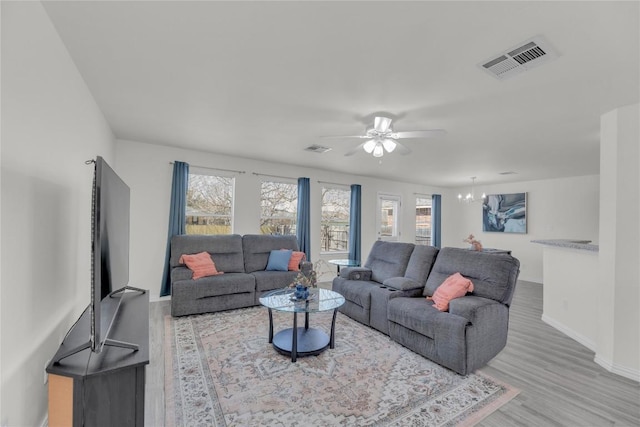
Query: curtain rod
{"x":422,"y":194}
{"x":273,"y":176}
{"x":333,"y":183}
{"x":214,"y":169}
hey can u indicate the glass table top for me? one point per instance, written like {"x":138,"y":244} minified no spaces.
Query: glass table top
{"x":345,"y":262}
{"x":319,"y":300}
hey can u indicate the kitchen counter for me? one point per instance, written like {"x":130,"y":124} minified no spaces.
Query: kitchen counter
{"x":584,"y":245}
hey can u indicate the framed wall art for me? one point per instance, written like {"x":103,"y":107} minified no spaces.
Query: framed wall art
{"x":505,"y":213}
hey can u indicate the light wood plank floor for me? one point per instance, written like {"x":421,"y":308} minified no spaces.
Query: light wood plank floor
{"x":560,"y":383}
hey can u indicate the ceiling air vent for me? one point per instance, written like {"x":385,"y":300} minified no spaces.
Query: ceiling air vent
{"x":317,"y":149}
{"x":518,"y":59}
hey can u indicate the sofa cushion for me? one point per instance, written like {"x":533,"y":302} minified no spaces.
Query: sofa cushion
{"x":296,"y":258}
{"x":494,"y":276}
{"x":201,"y":264}
{"x":225,"y":284}
{"x":355,"y":291}
{"x":402,"y":284}
{"x":269,"y":280}
{"x":420,"y":263}
{"x":455,"y":286}
{"x":355,"y":273}
{"x":258,"y":247}
{"x":226,"y":250}
{"x":279,"y":260}
{"x":421,"y":316}
{"x":388,"y":259}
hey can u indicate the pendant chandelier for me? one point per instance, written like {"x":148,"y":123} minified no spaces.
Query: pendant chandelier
{"x":471,"y":197}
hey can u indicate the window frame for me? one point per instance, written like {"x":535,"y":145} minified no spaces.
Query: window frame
{"x":397,"y":219}
{"x":217,"y":174}
{"x":295,"y":216}
{"x":347,"y":190}
{"x":428,"y":238}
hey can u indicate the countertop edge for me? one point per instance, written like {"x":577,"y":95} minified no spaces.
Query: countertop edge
{"x":565,"y":243}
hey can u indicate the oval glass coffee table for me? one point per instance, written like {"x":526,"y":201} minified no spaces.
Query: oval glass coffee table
{"x":298,"y":342}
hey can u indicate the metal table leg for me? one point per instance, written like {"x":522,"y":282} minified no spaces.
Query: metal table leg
{"x":332,"y":339}
{"x":294,"y":342}
{"x":270,"y":327}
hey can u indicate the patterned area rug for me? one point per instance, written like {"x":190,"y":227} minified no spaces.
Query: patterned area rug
{"x":221,"y":371}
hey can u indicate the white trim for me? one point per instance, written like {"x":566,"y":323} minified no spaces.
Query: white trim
{"x":623,"y":371}
{"x":159,"y":298}
{"x":397,"y":217}
{"x":587,"y":342}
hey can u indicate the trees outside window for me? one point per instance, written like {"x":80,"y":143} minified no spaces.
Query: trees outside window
{"x":210,"y":204}
{"x":278,"y":207}
{"x":334,"y":233}
{"x":423,"y":221}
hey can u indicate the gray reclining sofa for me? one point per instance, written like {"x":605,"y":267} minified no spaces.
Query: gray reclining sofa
{"x":243,"y":259}
{"x":389,"y":294}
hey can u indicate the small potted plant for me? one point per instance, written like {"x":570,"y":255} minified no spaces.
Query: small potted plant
{"x":303,"y":282}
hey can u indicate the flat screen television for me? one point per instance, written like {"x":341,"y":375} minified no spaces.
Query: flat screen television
{"x":110,"y":209}
{"x":110,"y":244}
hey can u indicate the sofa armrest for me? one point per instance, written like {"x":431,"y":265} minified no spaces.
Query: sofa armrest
{"x":477,"y":309}
{"x":181,"y":273}
{"x":356,"y":273}
{"x":402,"y":284}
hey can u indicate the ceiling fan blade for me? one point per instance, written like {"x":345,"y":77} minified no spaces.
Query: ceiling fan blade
{"x":382,"y":124}
{"x":401,"y":149}
{"x":355,"y":149}
{"x":419,"y":133}
{"x":346,"y":136}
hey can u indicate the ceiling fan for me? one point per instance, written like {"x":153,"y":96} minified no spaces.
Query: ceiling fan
{"x":381,"y":137}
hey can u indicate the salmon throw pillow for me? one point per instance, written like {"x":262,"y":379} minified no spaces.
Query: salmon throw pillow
{"x":201,"y":264}
{"x":455,"y":286}
{"x":296,"y":258}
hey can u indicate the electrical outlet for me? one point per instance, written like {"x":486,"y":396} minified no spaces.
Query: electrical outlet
{"x":46,"y":375}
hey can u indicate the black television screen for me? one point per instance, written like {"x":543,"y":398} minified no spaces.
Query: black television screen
{"x":110,"y":243}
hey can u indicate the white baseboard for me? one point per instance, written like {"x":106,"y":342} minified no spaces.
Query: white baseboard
{"x":587,"y":342}
{"x":159,"y":298}
{"x":623,"y":371}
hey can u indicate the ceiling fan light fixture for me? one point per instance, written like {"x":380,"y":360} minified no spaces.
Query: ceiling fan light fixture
{"x":389,"y":145}
{"x":369,"y":146}
{"x":378,"y":151}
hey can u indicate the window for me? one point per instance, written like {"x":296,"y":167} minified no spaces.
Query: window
{"x":423,"y":221}
{"x":278,"y":207}
{"x":388,"y":217}
{"x":210,"y":204}
{"x":334,"y":232}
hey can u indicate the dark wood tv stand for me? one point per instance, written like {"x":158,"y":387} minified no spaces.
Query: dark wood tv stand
{"x":106,"y":388}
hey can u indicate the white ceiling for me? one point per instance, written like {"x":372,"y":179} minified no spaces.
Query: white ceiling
{"x":264,"y":80}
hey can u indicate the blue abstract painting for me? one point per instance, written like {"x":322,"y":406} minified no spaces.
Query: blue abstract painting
{"x":505,"y":213}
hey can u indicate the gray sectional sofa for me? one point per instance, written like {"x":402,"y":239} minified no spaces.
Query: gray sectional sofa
{"x":389,"y":294}
{"x":243,"y":259}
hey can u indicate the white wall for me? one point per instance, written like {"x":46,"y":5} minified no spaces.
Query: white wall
{"x":50,"y":126}
{"x":565,"y":208}
{"x":618,"y":346}
{"x":571,"y":293}
{"x":146,"y":169}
